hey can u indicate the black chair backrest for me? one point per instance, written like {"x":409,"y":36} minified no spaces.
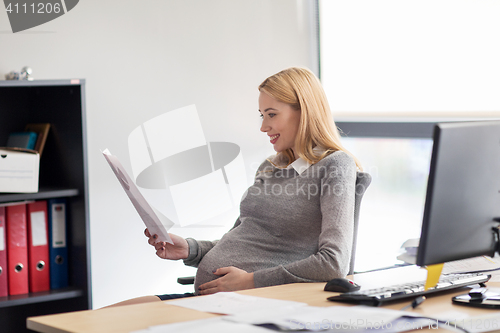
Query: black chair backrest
{"x":363,"y":180}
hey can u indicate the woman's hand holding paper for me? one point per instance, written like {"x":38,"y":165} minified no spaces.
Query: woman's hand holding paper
{"x":180,"y":249}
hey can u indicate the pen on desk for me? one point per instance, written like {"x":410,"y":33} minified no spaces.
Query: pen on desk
{"x":485,"y":257}
{"x":416,"y":302}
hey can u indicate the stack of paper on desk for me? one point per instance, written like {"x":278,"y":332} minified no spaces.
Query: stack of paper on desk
{"x":250,"y":314}
{"x":256,"y":314}
{"x":233,"y":303}
{"x":322,"y":318}
{"x":410,"y":249}
{"x":335,"y":318}
{"x":488,"y":322}
{"x":205,"y":325}
{"x":402,"y":324}
{"x":477,"y":264}
{"x":293,"y":316}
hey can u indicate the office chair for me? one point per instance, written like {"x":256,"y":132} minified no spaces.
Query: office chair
{"x":363,"y":180}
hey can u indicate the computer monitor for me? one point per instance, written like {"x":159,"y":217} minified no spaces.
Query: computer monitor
{"x":463,"y":193}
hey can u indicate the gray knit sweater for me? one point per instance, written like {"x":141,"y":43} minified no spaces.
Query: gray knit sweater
{"x":292,"y":228}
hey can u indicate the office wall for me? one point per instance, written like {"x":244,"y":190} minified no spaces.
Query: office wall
{"x":142,"y":59}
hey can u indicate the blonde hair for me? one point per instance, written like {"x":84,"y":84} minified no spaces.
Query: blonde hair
{"x":302,"y":90}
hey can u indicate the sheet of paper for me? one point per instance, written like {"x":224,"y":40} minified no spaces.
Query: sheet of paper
{"x":408,"y":258}
{"x":488,"y":322}
{"x":411,"y":243}
{"x":232,"y":303}
{"x":410,"y":249}
{"x":155,"y":221}
{"x":205,"y":325}
{"x":322,"y":318}
{"x":477,"y":264}
{"x":405,"y":324}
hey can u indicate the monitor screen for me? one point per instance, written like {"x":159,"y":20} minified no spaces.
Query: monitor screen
{"x":463,"y":193}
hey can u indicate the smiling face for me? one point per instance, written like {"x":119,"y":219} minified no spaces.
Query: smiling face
{"x":279,"y":121}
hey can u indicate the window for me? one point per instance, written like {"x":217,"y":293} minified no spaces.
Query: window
{"x":391,"y":69}
{"x":393,"y":205}
{"x":417,"y":57}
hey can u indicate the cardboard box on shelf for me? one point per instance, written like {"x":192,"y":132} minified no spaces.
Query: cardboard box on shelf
{"x":19,"y":170}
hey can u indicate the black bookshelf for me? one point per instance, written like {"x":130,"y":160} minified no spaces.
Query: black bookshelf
{"x":63,"y":173}
{"x":36,"y":298}
{"x":42,"y":194}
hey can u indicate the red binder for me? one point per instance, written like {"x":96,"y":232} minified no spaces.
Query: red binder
{"x":38,"y":246}
{"x":17,"y":251}
{"x":4,"y":291}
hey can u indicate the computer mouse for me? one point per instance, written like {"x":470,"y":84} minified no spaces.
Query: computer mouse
{"x":342,"y":285}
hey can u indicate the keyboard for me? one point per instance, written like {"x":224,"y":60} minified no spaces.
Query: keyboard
{"x":412,"y":290}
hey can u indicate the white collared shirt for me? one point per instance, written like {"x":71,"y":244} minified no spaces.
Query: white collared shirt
{"x":300,"y":165}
